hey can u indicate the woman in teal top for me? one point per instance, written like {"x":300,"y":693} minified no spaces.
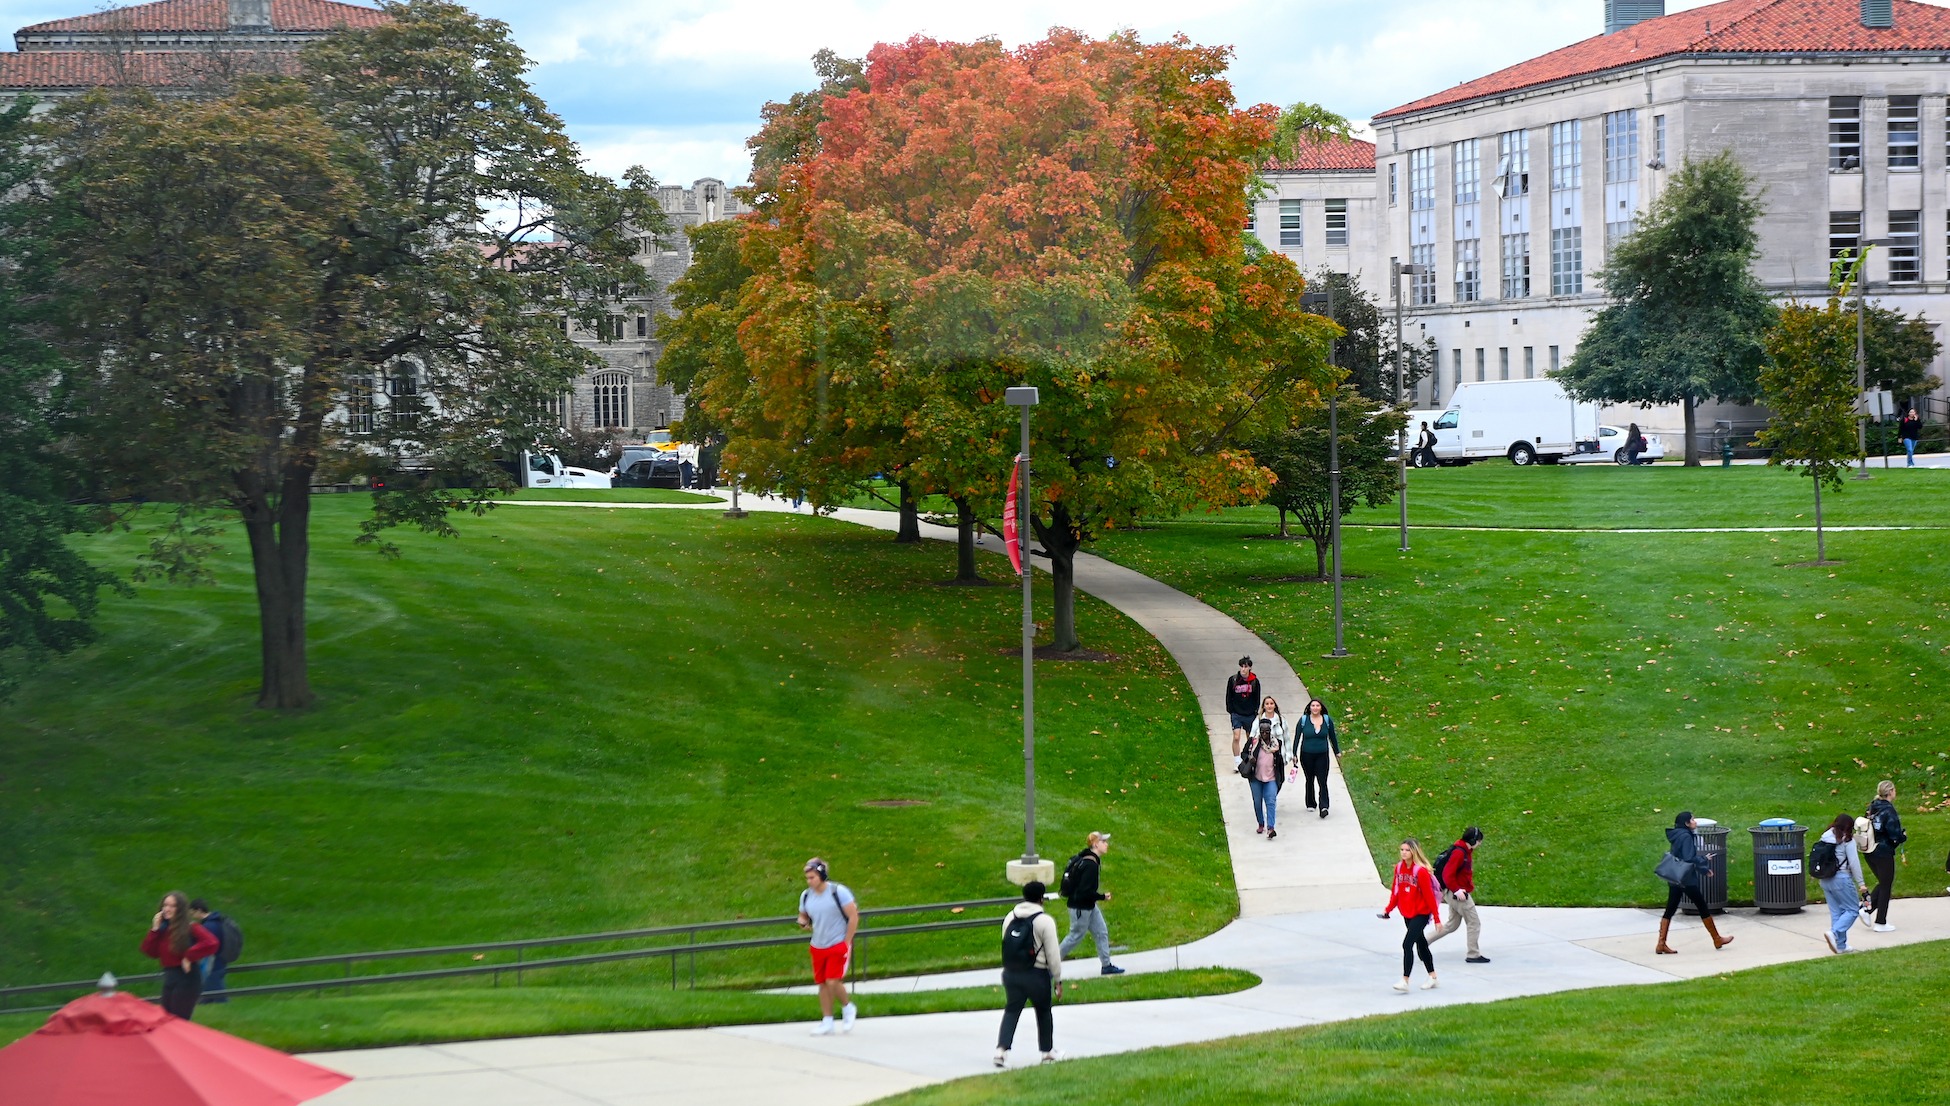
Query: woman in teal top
{"x":1316,"y":739}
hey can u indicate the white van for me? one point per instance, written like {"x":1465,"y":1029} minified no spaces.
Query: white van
{"x":1526,"y":421}
{"x":546,"y":470}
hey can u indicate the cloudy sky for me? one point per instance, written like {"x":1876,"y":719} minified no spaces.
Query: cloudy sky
{"x":675,"y":85}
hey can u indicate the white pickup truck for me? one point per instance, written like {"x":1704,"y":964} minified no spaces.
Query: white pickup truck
{"x":1526,"y":421}
{"x":546,"y":470}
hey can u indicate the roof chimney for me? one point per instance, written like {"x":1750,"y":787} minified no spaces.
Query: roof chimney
{"x":1878,"y":13}
{"x":1620,"y":14}
{"x":250,"y":15}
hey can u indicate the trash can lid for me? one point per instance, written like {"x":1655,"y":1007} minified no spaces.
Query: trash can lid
{"x":1706,"y":821}
{"x":1777,"y":821}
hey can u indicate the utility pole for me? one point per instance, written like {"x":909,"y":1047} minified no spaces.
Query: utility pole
{"x":1399,"y":271}
{"x":1030,"y":867}
{"x":1310,"y":299}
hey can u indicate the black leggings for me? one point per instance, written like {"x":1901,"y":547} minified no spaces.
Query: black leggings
{"x":1314,"y":767}
{"x":1415,"y":943}
{"x":1030,"y":986}
{"x":1883,"y":863}
{"x":1687,"y":890}
{"x":180,"y":990}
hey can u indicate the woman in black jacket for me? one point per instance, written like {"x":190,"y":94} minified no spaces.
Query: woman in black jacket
{"x":1889,"y":836}
{"x":1683,"y":843}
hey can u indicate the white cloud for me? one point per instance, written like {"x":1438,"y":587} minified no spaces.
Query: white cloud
{"x":674,"y":155}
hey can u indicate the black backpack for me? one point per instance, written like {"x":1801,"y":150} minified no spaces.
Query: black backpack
{"x":1824,"y":860}
{"x":1067,"y":886}
{"x":1442,"y":865}
{"x":1019,"y":941}
{"x":230,"y":938}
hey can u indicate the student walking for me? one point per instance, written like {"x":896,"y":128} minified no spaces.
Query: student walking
{"x":1425,"y":446}
{"x":1081,"y":882}
{"x":1834,"y":865}
{"x":1264,"y":766}
{"x":1889,"y":836}
{"x":177,"y":943}
{"x":1455,"y":873}
{"x":829,"y":910}
{"x":1681,"y":868}
{"x":1032,"y":973}
{"x":230,"y":945}
{"x":1242,"y":701}
{"x":1910,"y":429}
{"x":1316,"y":740}
{"x":1634,"y":444}
{"x":1414,"y":893}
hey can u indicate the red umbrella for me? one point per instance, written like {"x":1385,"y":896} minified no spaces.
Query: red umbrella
{"x":112,"y":1049}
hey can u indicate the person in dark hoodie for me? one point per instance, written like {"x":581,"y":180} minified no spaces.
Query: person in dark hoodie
{"x":1889,"y":836}
{"x":1242,"y":701}
{"x":1683,"y":842}
{"x":1082,"y":895}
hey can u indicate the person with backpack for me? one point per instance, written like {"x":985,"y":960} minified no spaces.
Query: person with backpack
{"x":177,"y":943}
{"x":830,"y":911}
{"x":1414,"y":892}
{"x":1455,"y":875}
{"x":1425,"y":447}
{"x":1316,"y":739}
{"x":1833,"y":863}
{"x":1889,"y":836}
{"x":1263,"y":764}
{"x":1031,"y":972}
{"x":230,"y":945}
{"x":1080,"y":887}
{"x":1242,"y":701}
{"x":1681,"y":868}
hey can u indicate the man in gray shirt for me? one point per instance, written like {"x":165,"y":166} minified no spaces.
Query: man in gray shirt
{"x":828,"y":909}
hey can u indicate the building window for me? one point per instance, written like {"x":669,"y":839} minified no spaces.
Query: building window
{"x":1468,"y":171}
{"x":1516,"y":266}
{"x":1252,"y":218}
{"x":1513,"y":164}
{"x":609,"y":397}
{"x":558,"y":410}
{"x":1567,"y":261}
{"x":1455,"y":369}
{"x":1394,"y":182}
{"x":403,"y":395}
{"x":1337,"y":223}
{"x":1422,"y":283}
{"x":1421,"y":179}
{"x":1503,"y":362}
{"x":1621,"y":146}
{"x":1844,"y":132}
{"x":1469,"y":270}
{"x":1659,"y":139}
{"x":1567,"y":155}
{"x":1553,"y":360}
{"x":1530,"y":362}
{"x":1479,"y":363}
{"x":1844,"y":234}
{"x":1905,"y":247}
{"x":643,"y":326}
{"x":1905,"y":132}
{"x":358,"y":405}
{"x":1290,"y":223}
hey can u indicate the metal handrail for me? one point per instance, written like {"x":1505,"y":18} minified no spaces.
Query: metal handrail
{"x":521,"y":945}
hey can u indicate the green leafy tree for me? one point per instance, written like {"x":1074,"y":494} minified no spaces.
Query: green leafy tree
{"x":1687,"y":315}
{"x":1298,"y":457}
{"x":1808,"y":382}
{"x":1366,"y":348}
{"x":256,"y":268}
{"x":1898,"y":351}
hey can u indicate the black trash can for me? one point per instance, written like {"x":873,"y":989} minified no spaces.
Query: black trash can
{"x":1780,"y":875}
{"x":1713,"y":858}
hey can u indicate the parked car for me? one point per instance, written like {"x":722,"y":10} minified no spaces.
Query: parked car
{"x":1611,"y":447}
{"x":664,"y":470}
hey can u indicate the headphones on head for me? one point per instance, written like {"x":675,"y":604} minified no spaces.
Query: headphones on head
{"x":817,"y":865}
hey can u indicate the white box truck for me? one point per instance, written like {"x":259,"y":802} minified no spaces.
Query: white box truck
{"x":1527,"y":421}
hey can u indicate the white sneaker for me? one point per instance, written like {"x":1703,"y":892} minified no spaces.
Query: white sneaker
{"x":1830,"y":938}
{"x":1001,"y":1057}
{"x":1883,"y":927}
{"x":1402,"y":986}
{"x":1429,"y":984}
{"x":825,"y":1028}
{"x":848,"y":1015}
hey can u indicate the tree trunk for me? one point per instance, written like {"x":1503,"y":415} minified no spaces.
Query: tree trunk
{"x":1692,"y":443}
{"x":1821,"y":544}
{"x":1283,"y":531}
{"x":910,"y":512}
{"x":1320,"y":558}
{"x":280,"y":545}
{"x":965,"y":544}
{"x":1060,"y":541}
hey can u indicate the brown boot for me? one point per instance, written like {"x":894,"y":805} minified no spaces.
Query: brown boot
{"x":1665,"y":925}
{"x":1719,"y":942}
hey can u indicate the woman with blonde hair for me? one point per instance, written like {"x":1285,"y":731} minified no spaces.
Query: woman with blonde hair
{"x":1414,"y":893}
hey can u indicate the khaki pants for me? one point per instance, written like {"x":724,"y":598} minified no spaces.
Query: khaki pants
{"x":1461,"y":910}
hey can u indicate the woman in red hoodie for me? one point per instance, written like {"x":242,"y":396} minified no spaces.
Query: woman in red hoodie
{"x":1414,"y":893}
{"x":178,"y":943}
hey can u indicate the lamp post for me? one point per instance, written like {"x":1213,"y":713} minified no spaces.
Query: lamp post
{"x":1326,"y":300}
{"x":1030,"y":866}
{"x":1399,"y":271}
{"x":1862,"y":359}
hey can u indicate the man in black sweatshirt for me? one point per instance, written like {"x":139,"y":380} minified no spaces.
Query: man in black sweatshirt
{"x":1242,"y":701}
{"x":1081,"y":894}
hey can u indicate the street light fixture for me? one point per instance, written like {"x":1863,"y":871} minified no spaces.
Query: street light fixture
{"x":1030,"y":867}
{"x":1399,"y":271}
{"x":1325,"y":300}
{"x":1861,"y":356}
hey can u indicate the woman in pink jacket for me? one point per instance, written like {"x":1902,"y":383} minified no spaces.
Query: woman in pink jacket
{"x":1414,"y":893}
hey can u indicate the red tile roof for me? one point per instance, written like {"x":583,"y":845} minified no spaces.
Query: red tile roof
{"x":1732,"y":27}
{"x":1335,"y":155}
{"x":82,"y":69}
{"x":214,"y":15}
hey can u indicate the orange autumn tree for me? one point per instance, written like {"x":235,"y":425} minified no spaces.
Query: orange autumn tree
{"x":1065,"y":215}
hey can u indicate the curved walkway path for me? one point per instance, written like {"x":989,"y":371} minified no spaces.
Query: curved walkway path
{"x":1307,"y":927}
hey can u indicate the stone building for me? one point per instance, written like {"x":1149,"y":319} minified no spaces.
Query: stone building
{"x":1321,"y":210}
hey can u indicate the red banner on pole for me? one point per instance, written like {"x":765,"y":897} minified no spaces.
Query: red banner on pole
{"x":1011,"y":534}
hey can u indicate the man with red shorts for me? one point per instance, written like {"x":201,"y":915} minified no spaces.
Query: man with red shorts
{"x":828,"y":909}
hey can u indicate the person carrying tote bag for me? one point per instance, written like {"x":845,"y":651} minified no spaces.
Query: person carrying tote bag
{"x":1681,"y":867}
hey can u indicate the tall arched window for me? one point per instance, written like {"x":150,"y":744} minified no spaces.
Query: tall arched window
{"x":609,"y":399}
{"x":403,"y":395}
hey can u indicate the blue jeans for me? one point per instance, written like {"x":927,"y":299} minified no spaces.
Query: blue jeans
{"x":1844,"y":907}
{"x":1909,"y":447}
{"x":1266,"y":800}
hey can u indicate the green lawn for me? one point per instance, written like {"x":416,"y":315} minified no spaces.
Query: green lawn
{"x":570,"y":720}
{"x":1572,"y":692}
{"x":620,"y":495}
{"x":1868,"y":1026}
{"x":390,"y":1016}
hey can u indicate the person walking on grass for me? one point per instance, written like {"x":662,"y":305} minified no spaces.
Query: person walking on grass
{"x":829,"y":910}
{"x":1889,"y":836}
{"x":1242,"y":701}
{"x":1032,"y":973}
{"x":1414,"y":894}
{"x":1082,"y":880}
{"x":1834,"y":865}
{"x":1910,"y":429}
{"x":177,"y":943}
{"x":1455,"y":873}
{"x":1316,"y":740}
{"x":1264,"y":766}
{"x":1683,"y":873}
